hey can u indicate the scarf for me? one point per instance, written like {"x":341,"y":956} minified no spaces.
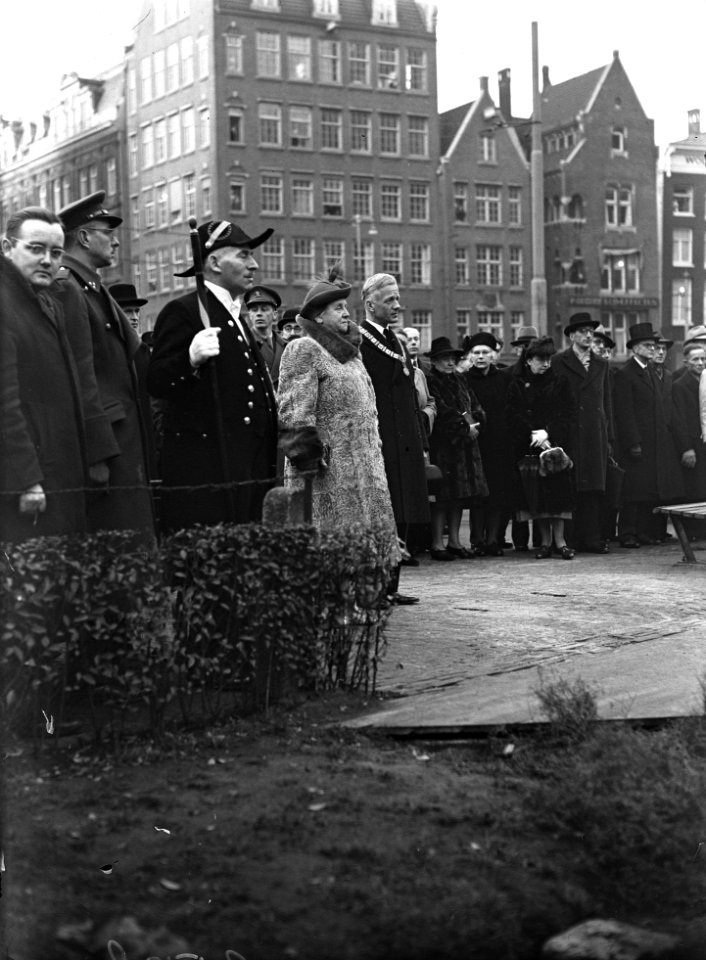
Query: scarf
{"x":342,"y":346}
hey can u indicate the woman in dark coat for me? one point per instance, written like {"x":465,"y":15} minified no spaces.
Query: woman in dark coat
{"x":541,"y":410}
{"x":453,"y":447}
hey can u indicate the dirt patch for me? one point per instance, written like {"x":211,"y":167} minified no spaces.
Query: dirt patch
{"x":291,"y":837}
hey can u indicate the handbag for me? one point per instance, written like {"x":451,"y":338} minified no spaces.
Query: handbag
{"x":614,"y":479}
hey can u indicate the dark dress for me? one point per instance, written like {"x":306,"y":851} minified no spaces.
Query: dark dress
{"x":451,"y":447}
{"x":541,"y":402}
{"x":494,"y":440}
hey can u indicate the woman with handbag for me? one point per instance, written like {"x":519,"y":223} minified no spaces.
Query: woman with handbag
{"x":540,"y":410}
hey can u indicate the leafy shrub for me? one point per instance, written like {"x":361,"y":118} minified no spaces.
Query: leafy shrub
{"x":569,"y":706}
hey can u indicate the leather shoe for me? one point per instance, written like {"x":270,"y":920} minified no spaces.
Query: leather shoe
{"x":566,"y":553}
{"x":441,"y":555}
{"x":543,"y":553}
{"x":630,"y":542}
{"x":596,"y":548}
{"x":494,"y":550}
{"x":461,"y":552}
{"x":409,"y":562}
{"x":401,"y":600}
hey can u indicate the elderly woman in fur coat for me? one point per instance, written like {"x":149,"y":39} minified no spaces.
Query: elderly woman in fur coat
{"x":328,"y":418}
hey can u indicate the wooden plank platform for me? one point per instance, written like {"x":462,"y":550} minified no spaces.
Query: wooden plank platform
{"x":679,"y":512}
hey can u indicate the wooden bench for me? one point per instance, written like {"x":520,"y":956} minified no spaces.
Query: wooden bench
{"x":679,"y":512}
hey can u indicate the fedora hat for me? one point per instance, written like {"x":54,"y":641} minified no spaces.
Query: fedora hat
{"x":663,"y":341}
{"x":695,"y":333}
{"x":85,"y":210}
{"x":524,"y":335}
{"x":323,"y":292}
{"x":217,"y":234}
{"x":577,"y":320}
{"x":125,"y":294}
{"x":600,"y":334}
{"x":441,"y":346}
{"x":641,"y":333}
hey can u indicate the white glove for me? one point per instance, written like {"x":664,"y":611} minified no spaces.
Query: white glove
{"x":204,"y":346}
{"x":33,"y":500}
{"x":539,"y":437}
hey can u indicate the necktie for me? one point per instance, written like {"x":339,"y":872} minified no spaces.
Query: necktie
{"x":391,"y":339}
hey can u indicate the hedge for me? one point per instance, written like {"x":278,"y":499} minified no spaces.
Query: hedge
{"x":208,"y":618}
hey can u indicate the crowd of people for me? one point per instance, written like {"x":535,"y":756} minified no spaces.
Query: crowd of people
{"x":232,"y":393}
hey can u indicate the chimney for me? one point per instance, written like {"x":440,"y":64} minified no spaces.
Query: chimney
{"x":504,"y":93}
{"x":546,"y":82}
{"x":483,"y":84}
{"x":694,"y":122}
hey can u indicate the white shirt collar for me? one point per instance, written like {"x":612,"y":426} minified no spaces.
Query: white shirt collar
{"x":642,"y":363}
{"x":220,"y":293}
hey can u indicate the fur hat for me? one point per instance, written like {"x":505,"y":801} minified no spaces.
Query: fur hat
{"x":323,"y":292}
{"x":554,"y":460}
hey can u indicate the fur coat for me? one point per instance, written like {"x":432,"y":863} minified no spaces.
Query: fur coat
{"x":328,"y":416}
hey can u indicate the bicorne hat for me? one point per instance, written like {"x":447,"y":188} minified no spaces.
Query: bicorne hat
{"x":217,"y":234}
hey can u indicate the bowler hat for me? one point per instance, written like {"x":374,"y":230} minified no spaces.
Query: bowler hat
{"x":695,"y":333}
{"x":288,"y":316}
{"x":440,"y":346}
{"x":323,"y":292}
{"x":640,"y":333}
{"x":85,"y":210}
{"x":480,"y":339}
{"x":262,"y":295}
{"x":577,"y":320}
{"x":217,"y":234}
{"x":524,"y":335}
{"x":600,"y":334}
{"x":126,"y":295}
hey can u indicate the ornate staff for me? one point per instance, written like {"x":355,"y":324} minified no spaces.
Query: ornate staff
{"x":211,"y":367}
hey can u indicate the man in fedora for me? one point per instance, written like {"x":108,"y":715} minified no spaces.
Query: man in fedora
{"x":262,"y":304}
{"x":220,"y":417}
{"x":122,"y":499}
{"x":592,"y":430}
{"x":399,"y":419}
{"x":288,"y":326}
{"x":125,"y":295}
{"x":644,"y":443}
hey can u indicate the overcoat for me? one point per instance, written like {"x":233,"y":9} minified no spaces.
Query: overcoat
{"x":325,"y":387}
{"x":686,"y":430}
{"x":494,"y":441}
{"x":196,"y":427}
{"x":451,"y":447}
{"x":640,"y":420}
{"x":41,"y":414}
{"x":400,"y":426}
{"x":592,"y":428}
{"x":126,"y":504}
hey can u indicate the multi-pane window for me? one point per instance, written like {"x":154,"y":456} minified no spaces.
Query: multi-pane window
{"x":202,"y":57}
{"x":299,"y":58}
{"x":463,"y":323}
{"x":620,"y":272}
{"x":388,"y":67}
{"x":175,"y":200}
{"x":187,"y":60}
{"x":332,"y":197}
{"x":151,"y":271}
{"x":178,"y":266}
{"x":331,"y":128}
{"x":683,"y":201}
{"x":329,"y":61}
{"x":205,"y":196}
{"x":236,"y":196}
{"x":271,"y":259}
{"x":462,"y":266}
{"x":204,"y":127}
{"x":489,"y":265}
{"x":514,"y":206}
{"x":172,"y":67}
{"x":160,"y":141}
{"x":617,"y":139}
{"x":516,"y":266}
{"x":385,"y":12}
{"x":133,"y":163}
{"x":173,"y":136}
{"x":303,"y":265}
{"x":147,"y":147}
{"x":420,"y":264}
{"x":418,"y":136}
{"x":362,"y":198}
{"x":159,"y":68}
{"x":326,"y":8}
{"x":391,"y":259}
{"x":302,"y":196}
{"x":267,"y":54}
{"x":234,"y":54}
{"x":682,"y":247}
{"x":517,"y":320}
{"x":189,"y":195}
{"x":145,"y":80}
{"x":131,"y":90}
{"x":359,"y":63}
{"x":390,"y":205}
{"x":235,"y":126}
{"x":363,"y":259}
{"x":488,"y":148}
{"x":271,"y":193}
{"x":460,"y":202}
{"x":334,"y":252}
{"x":421,"y":320}
{"x":389,"y":134}
{"x":419,"y":202}
{"x":681,"y":302}
{"x":300,"y":128}
{"x":361,"y":131}
{"x":618,"y":206}
{"x":111,"y":176}
{"x":270,"y":117}
{"x":187,"y":130}
{"x":135,"y":213}
{"x":415,"y":75}
{"x":164,"y":269}
{"x":93,"y":177}
{"x":491,"y":321}
{"x":487,"y":203}
{"x":148,"y":208}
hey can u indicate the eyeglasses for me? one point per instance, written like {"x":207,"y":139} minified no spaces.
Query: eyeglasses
{"x":39,"y":249}
{"x":108,"y":231}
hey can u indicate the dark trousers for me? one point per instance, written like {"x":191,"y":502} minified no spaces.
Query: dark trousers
{"x":586,"y":527}
{"x":635,"y":520}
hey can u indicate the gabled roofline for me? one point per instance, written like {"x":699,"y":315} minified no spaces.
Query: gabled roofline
{"x":463,"y":126}
{"x":597,"y":88}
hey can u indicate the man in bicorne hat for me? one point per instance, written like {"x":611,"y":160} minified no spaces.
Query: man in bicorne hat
{"x":645,"y":447}
{"x":220,"y":419}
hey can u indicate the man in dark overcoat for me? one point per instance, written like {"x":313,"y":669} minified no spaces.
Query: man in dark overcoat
{"x":686,"y":429}
{"x":592,"y":430}
{"x":43,"y":462}
{"x":220,"y":414}
{"x":392,"y":375}
{"x":122,"y":499}
{"x":645,"y":447}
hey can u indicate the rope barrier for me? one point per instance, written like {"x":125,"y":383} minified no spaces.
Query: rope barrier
{"x":154,"y":486}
